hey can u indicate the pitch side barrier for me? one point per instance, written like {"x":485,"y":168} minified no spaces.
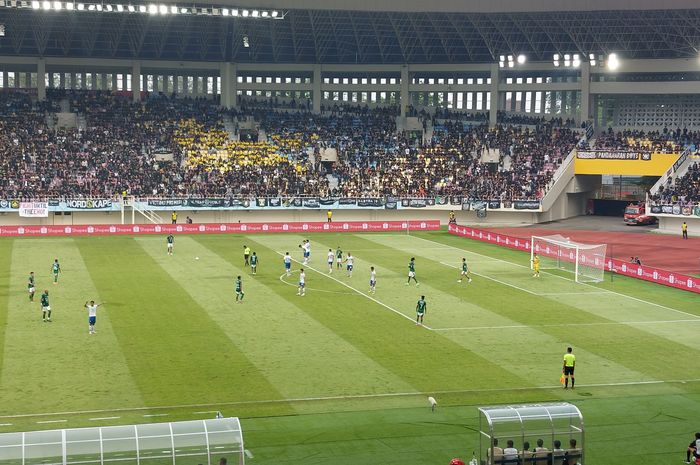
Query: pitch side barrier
{"x":632,"y":270}
{"x":219,"y":228}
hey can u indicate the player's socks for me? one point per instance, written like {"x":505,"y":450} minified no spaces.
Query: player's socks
{"x":572,"y":382}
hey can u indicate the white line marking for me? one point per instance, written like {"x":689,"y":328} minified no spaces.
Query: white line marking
{"x":156,"y":415}
{"x":104,"y":418}
{"x":202,"y":413}
{"x":311,"y":288}
{"x":50,"y":421}
{"x":494,"y":279}
{"x":557,"y":276}
{"x":358,"y":396}
{"x":566,"y":325}
{"x":573,"y":293}
{"x":358,"y":291}
{"x":248,"y":453}
{"x":5,"y":424}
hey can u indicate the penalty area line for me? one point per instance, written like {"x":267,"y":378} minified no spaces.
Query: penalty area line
{"x":566,"y":325}
{"x":403,"y":315}
{"x":355,"y":397}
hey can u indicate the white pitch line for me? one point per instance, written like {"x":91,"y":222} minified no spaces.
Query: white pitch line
{"x":561,"y":277}
{"x":5,"y":424}
{"x":572,"y":293}
{"x":311,"y":288}
{"x":50,"y":421}
{"x":202,"y":413}
{"x":104,"y":418}
{"x":156,"y":415}
{"x":248,"y":453}
{"x":358,"y":291}
{"x":349,"y":397}
{"x":494,"y":279}
{"x":566,"y":325}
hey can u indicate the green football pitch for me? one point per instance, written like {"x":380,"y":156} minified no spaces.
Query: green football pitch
{"x":341,"y":376}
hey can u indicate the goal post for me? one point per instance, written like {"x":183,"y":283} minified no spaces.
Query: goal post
{"x":585,"y":261}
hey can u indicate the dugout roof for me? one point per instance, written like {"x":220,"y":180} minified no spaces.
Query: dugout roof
{"x":454,"y":31}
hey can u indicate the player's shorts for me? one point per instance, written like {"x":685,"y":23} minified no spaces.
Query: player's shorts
{"x":464,"y":273}
{"x":569,"y":371}
{"x":46,"y":309}
{"x":253,"y":266}
{"x":92,"y":320}
{"x":349,"y":267}
{"x":537,"y":268}
{"x":339,"y":260}
{"x":170,"y":246}
{"x":302,"y":285}
{"x":287,"y":266}
{"x":372,"y":283}
{"x":330,"y":262}
{"x":419,"y":312}
{"x":411,"y":274}
{"x":239,"y":292}
{"x":31,"y":290}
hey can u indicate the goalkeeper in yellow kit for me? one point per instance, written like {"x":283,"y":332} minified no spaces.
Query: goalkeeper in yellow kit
{"x":536,"y":266}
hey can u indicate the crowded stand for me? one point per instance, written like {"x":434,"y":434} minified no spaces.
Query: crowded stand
{"x":665,"y":141}
{"x":683,"y":191}
{"x":166,"y":146}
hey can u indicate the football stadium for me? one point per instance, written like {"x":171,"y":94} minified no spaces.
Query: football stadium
{"x":382,"y":233}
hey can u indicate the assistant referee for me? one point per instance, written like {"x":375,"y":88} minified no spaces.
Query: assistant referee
{"x":569,"y":365}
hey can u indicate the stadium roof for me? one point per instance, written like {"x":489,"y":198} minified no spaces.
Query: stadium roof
{"x":361,"y":36}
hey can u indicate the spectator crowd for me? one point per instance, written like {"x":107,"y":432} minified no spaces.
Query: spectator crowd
{"x":166,"y":146}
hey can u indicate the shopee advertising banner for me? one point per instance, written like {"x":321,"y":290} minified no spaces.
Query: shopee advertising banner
{"x":646,"y":273}
{"x":219,"y":228}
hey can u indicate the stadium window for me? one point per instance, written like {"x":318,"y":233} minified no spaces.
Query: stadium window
{"x":538,"y":102}
{"x":450,"y":81}
{"x":335,"y":96}
{"x":364,"y":81}
{"x":190,"y":85}
{"x":66,"y":80}
{"x":278,"y":80}
{"x":373,"y":97}
{"x":47,"y":80}
{"x":488,"y":80}
{"x":488,"y":101}
{"x":180,"y":85}
{"x":518,"y":101}
{"x":480,"y":80}
{"x":218,"y":85}
{"x":158,"y":83}
{"x":32,"y":80}
{"x":199,"y":89}
{"x":210,"y":85}
{"x":363,"y":97}
{"x":2,"y":79}
{"x":470,"y":100}
{"x":479,"y":100}
{"x":239,"y":79}
{"x":326,"y":80}
{"x":239,"y":92}
{"x":346,"y":81}
{"x":249,"y":93}
{"x":460,"y":100}
{"x":353,"y":97}
{"x":421,"y":81}
{"x":268,"y":94}
{"x":539,"y":80}
{"x":528,"y":80}
{"x":392,"y":81}
{"x":557,"y":102}
{"x":431,"y":81}
{"x":519,"y":80}
{"x":450,"y":100}
{"x":548,"y":80}
{"x":22,"y":80}
{"x":373,"y":81}
{"x":460,"y":81}
{"x":128,"y":82}
{"x":258,"y":93}
{"x":120,"y":81}
{"x":354,"y":81}
{"x":441,"y":81}
{"x":470,"y":81}
{"x":336,"y":80}
{"x":149,"y":83}
{"x":345,"y":97}
{"x":528,"y":102}
{"x":268,"y":80}
{"x":326,"y":95}
{"x":382,"y":97}
{"x":249,"y":79}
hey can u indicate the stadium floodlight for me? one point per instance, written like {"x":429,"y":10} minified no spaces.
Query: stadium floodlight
{"x":225,"y":11}
{"x":275,"y":13}
{"x":81,"y":6}
{"x":109,"y":8}
{"x":576,"y":60}
{"x":591,"y":59}
{"x":152,"y":9}
{"x":35,"y":5}
{"x":143,"y":9}
{"x":255,"y":13}
{"x":184,"y":11}
{"x":245,"y":13}
{"x":522,"y":59}
{"x":162,"y":9}
{"x":246,"y":42}
{"x":98,"y":7}
{"x":234,"y":12}
{"x":57,"y":6}
{"x":613,"y":62}
{"x":265,"y":14}
{"x":70,"y":6}
{"x":46,"y":5}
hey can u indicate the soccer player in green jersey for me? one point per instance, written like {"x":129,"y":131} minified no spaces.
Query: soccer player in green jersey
{"x":55,"y":269}
{"x":338,"y":258}
{"x":45,"y":307}
{"x":30,"y":287}
{"x":465,"y":272}
{"x":239,"y":290}
{"x":421,"y":308}
{"x":171,"y":241}
{"x":412,"y":272}
{"x":254,"y":263}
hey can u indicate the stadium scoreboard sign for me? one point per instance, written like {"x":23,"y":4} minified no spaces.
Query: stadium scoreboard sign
{"x":623,"y":162}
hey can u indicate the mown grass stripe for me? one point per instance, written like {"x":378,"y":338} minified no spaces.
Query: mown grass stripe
{"x":165,"y":341}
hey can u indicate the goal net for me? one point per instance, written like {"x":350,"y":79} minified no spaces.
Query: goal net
{"x":585,"y":261}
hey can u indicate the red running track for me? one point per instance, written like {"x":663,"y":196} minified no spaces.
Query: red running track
{"x":671,"y":253}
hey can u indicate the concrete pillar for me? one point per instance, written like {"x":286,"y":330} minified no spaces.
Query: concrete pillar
{"x":41,"y":80}
{"x":493,"y":111}
{"x":227,"y":72}
{"x":316,"y":95}
{"x":404,"y":97}
{"x":585,"y":91}
{"x":136,"y":81}
{"x":233,"y":85}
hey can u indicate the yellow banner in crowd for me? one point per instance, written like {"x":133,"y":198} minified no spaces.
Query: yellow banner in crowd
{"x":623,"y":163}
